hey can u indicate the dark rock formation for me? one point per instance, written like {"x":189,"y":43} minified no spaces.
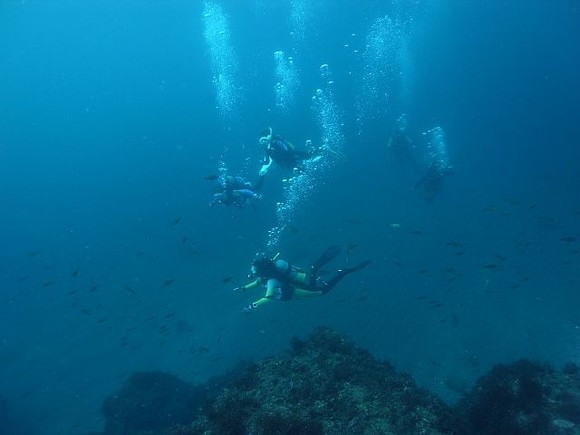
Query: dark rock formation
{"x":324,"y":385}
{"x":524,"y":398}
{"x":150,"y":402}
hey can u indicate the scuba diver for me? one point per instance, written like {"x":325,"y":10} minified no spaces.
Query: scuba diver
{"x":431,"y":182}
{"x":402,"y":146}
{"x":236,"y":191}
{"x":283,"y":281}
{"x":277,"y":149}
{"x":438,"y":166}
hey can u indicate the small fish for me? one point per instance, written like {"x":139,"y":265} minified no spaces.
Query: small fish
{"x":420,"y":298}
{"x":130,"y":290}
{"x":490,"y":266}
{"x":351,"y":250}
{"x":397,"y":263}
{"x":227,"y":279}
{"x":33,"y":253}
{"x":395,"y":226}
{"x":417,"y":232}
{"x":184,"y":240}
{"x":48,"y":283}
{"x":94,"y":288}
{"x":454,"y":244}
{"x":211,"y":177}
{"x":85,"y":311}
{"x":168,"y":282}
{"x":175,"y":221}
{"x":293,"y":229}
{"x":491,"y":209}
{"x":352,"y":221}
{"x":75,"y":273}
{"x":569,"y":239}
{"x":514,"y":286}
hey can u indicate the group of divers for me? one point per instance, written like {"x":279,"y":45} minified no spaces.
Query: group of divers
{"x":282,"y":280}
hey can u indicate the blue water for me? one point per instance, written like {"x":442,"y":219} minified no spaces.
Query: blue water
{"x":110,"y":120}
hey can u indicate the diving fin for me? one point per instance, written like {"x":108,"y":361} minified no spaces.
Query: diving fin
{"x":355,"y":268}
{"x":341,"y":273}
{"x":326,"y":256}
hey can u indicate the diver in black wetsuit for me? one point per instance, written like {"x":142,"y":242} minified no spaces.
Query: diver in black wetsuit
{"x":283,"y":281}
{"x":432,"y":180}
{"x":282,"y":152}
{"x":236,"y":191}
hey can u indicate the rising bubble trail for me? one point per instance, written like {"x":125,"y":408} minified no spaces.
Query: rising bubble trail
{"x":223,"y":60}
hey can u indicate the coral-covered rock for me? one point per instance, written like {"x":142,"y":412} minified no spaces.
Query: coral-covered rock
{"x":524,"y":398}
{"x":11,"y":424}
{"x":6,"y":420}
{"x":325,"y":385}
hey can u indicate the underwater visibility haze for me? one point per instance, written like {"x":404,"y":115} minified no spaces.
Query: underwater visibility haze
{"x":437,"y":139}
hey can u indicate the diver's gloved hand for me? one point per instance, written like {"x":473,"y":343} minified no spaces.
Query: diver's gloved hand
{"x":250,"y":307}
{"x":239,"y":289}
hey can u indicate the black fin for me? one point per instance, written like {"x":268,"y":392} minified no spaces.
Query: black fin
{"x":326,"y":256}
{"x":355,"y":268}
{"x":341,"y":273}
